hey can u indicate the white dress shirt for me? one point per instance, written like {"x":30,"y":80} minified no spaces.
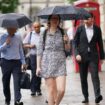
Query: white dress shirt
{"x":89,"y":32}
{"x":34,"y":41}
{"x":70,"y":33}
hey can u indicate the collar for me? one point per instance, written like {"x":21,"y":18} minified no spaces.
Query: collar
{"x":90,"y":27}
{"x":35,"y":32}
{"x":14,"y":34}
{"x":57,"y":30}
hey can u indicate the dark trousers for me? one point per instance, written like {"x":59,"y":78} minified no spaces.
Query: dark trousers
{"x":35,"y":81}
{"x":9,"y":67}
{"x":93,"y":68}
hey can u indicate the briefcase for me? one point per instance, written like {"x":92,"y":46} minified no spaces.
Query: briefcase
{"x":25,"y":81}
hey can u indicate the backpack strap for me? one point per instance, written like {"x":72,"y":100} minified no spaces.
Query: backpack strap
{"x":62,"y":32}
{"x":44,"y":38}
{"x":29,"y":41}
{"x":67,"y":53}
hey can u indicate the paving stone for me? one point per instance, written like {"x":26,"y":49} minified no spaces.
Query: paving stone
{"x":73,"y":94}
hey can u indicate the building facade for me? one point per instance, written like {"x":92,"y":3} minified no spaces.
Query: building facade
{"x":31,"y":7}
{"x":102,"y":14}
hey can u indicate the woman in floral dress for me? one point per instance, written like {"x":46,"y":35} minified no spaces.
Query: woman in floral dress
{"x":51,"y":60}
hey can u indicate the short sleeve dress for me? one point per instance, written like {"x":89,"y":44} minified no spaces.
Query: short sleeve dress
{"x":53,"y":62}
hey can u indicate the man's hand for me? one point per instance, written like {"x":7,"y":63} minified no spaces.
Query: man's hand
{"x":32,"y":46}
{"x":24,"y":67}
{"x":78,"y":58}
{"x":38,"y":71}
{"x":8,"y":40}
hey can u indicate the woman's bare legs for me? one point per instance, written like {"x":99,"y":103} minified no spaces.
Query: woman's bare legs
{"x":51,"y":88}
{"x":55,"y":91}
{"x":61,"y":84}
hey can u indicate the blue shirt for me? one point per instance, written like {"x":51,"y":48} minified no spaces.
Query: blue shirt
{"x":12,"y":51}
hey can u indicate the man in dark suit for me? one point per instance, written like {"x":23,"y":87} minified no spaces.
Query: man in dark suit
{"x":87,"y":39}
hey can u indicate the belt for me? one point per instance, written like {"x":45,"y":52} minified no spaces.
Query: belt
{"x":11,"y":60}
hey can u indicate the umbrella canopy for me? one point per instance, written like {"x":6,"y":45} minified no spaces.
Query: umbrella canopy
{"x":13,"y":20}
{"x":82,"y":13}
{"x":65,"y":12}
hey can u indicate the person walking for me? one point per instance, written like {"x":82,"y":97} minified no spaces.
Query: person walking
{"x":51,"y":60}
{"x":87,"y":38}
{"x":31,"y":42}
{"x":12,"y":58}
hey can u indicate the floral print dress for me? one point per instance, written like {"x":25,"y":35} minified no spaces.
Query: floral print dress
{"x":53,"y":62}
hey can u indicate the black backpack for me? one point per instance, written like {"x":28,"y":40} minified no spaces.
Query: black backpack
{"x":67,"y":53}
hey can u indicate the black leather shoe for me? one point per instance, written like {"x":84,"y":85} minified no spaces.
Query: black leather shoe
{"x":100,"y":98}
{"x":39,"y":93}
{"x":7,"y":103}
{"x":18,"y":103}
{"x":33,"y":94}
{"x":85,"y":101}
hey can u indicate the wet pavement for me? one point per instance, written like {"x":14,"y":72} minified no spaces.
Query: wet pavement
{"x":73,"y":94}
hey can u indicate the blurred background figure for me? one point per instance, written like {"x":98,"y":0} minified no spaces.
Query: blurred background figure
{"x":12,"y":58}
{"x":87,"y":38}
{"x":28,"y":29}
{"x":51,"y":60}
{"x":31,"y":42}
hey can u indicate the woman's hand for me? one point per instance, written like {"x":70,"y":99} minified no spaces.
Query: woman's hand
{"x":66,"y":39}
{"x":38,"y":71}
{"x":66,"y":43}
{"x":78,"y":58}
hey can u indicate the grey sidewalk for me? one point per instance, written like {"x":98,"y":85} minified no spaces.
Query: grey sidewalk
{"x":73,"y":95}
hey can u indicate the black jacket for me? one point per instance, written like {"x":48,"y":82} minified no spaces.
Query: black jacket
{"x":82,"y":45}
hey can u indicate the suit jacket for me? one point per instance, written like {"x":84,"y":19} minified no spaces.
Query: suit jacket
{"x":82,"y":45}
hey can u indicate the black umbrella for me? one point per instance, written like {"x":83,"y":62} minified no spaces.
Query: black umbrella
{"x":13,"y":20}
{"x":65,"y":12}
{"x":82,"y":13}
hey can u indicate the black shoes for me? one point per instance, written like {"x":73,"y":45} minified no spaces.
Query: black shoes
{"x":36,"y":94}
{"x":33,"y":94}
{"x":97,"y":100}
{"x":39,"y":93}
{"x":100,"y":98}
{"x":7,"y":103}
{"x":18,"y":103}
{"x":85,"y":101}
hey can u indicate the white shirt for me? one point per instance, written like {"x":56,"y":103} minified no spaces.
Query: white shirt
{"x":34,"y":41}
{"x":89,"y":32}
{"x":70,"y":33}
